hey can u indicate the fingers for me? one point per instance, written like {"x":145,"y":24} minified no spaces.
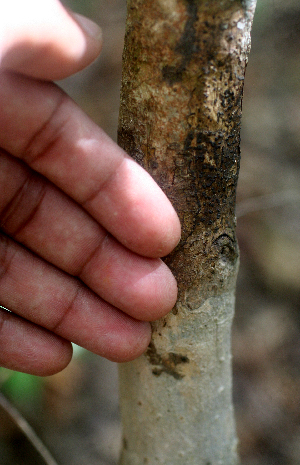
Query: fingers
{"x":29,"y":348}
{"x":45,"y":41}
{"x":142,"y":287}
{"x":38,"y":215}
{"x":49,"y":132}
{"x":39,"y":292}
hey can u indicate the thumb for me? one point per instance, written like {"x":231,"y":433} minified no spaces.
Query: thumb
{"x":43,"y":40}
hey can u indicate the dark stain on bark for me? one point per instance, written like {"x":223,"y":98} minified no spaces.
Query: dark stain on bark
{"x":186,"y":47}
{"x":165,"y":364}
{"x":126,"y":140}
{"x":213,"y":163}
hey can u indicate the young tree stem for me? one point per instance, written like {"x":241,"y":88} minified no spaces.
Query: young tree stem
{"x":183,"y":72}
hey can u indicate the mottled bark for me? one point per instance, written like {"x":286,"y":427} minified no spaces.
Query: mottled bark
{"x":183,"y":72}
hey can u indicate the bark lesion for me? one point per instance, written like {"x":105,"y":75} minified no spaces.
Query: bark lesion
{"x":226,"y":249}
{"x":169,"y":363}
{"x":186,"y":47}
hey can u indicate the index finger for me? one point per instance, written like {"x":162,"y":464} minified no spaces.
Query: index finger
{"x":47,"y":130}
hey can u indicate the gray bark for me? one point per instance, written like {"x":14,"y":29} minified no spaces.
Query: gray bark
{"x":183,"y":70}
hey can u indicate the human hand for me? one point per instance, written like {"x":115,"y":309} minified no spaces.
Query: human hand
{"x":82,"y":225}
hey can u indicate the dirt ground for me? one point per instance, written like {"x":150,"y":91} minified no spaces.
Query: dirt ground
{"x":76,"y":411}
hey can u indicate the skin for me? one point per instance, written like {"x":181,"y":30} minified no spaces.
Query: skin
{"x":83,"y":227}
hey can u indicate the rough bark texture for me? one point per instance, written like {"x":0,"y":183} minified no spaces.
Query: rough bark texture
{"x":180,"y":116}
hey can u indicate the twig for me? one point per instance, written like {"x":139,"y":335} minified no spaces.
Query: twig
{"x":27,"y":430}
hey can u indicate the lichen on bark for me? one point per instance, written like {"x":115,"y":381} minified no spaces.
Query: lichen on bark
{"x":183,"y":72}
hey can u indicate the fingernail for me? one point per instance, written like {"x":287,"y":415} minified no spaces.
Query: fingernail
{"x":92,"y":29}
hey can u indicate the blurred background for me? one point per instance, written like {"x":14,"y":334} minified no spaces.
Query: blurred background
{"x":76,"y":412}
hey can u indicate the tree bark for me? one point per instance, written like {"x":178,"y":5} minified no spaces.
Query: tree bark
{"x":183,"y":71}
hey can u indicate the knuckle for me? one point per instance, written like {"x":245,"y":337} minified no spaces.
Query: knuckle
{"x":23,"y":205}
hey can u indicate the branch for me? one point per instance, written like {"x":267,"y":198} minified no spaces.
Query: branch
{"x":27,"y":430}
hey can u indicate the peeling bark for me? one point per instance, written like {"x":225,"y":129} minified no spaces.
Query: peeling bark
{"x":183,"y":71}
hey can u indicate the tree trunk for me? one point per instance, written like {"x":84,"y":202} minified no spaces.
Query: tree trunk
{"x":183,"y":71}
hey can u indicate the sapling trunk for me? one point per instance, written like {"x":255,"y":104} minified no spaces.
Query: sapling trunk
{"x":183,"y":72}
